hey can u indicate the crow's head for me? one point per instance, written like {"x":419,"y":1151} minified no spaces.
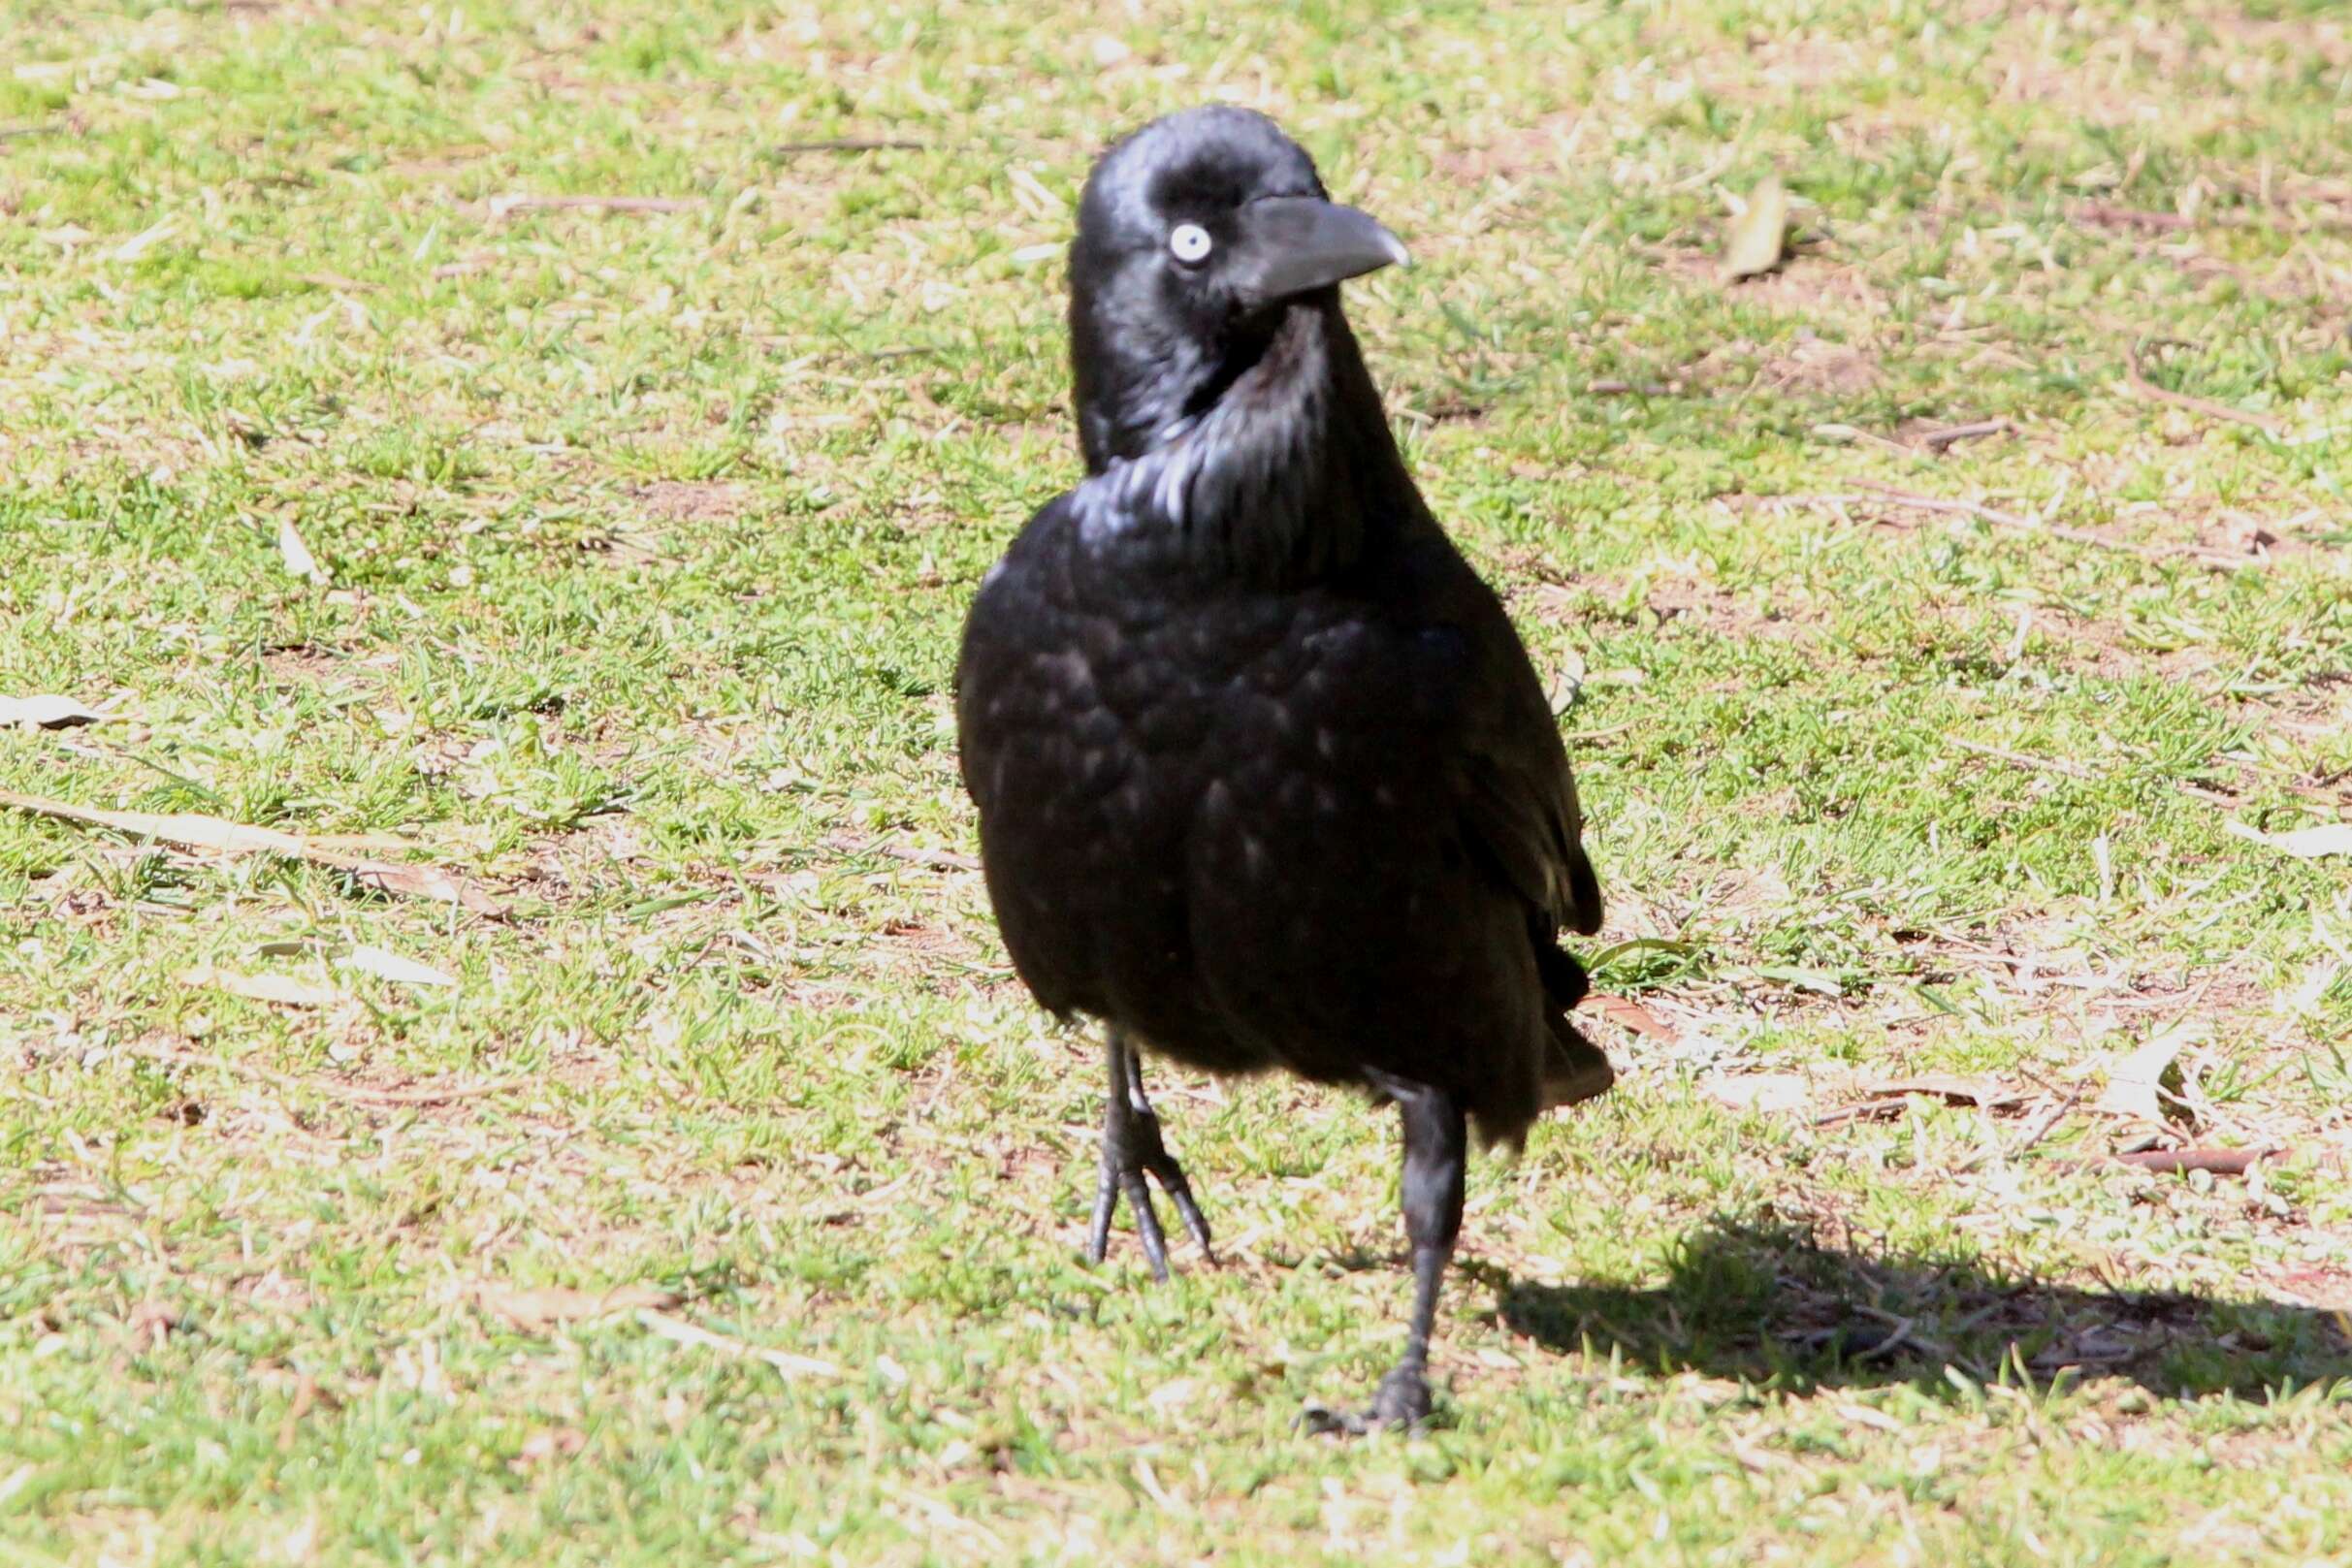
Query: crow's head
{"x":1197,"y":236}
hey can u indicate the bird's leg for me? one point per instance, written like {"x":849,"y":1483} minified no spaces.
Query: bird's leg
{"x":1437,"y":1151}
{"x":1132,"y":1150}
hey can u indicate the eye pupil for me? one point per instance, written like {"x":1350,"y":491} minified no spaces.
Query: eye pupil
{"x":1189,"y":242}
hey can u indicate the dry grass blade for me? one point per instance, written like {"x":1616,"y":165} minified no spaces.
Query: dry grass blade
{"x":2303,"y":842}
{"x":914,"y":855}
{"x":188,"y":830}
{"x":423,"y":1094}
{"x":683,"y":1333}
{"x":391,"y":966}
{"x":503,"y":207}
{"x":1759,"y":1091}
{"x":2011,"y":520}
{"x":2187,"y":787}
{"x":2137,"y":379}
{"x":1881,"y":1099}
{"x":2215,"y":1162}
{"x":282,"y":989}
{"x":533,"y":1309}
{"x":2021,"y":759}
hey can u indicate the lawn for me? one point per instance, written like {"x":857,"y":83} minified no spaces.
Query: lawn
{"x":534,"y":455}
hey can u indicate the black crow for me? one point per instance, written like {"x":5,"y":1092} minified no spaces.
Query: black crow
{"x":1265,"y":776}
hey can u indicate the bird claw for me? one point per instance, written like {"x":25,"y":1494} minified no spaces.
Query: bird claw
{"x":1402,"y":1400}
{"x":1132,"y":1150}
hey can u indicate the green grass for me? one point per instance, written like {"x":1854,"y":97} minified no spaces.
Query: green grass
{"x":645,"y":537}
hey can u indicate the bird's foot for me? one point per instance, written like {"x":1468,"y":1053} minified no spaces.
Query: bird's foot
{"x":1402,"y":1400}
{"x":1132,"y":1153}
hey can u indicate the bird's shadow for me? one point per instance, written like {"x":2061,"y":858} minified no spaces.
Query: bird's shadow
{"x":1772,"y":1303}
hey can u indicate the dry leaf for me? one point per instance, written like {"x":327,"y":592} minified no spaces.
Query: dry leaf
{"x":1629,"y":1012}
{"x":1758,"y":237}
{"x":283,"y":990}
{"x":537,"y":1307}
{"x":296,"y":555}
{"x":391,"y":966}
{"x":1759,"y":1091}
{"x":2136,"y":1085}
{"x":549,"y":1443}
{"x":422,"y":881}
{"x":189,"y":831}
{"x":2303,"y":842}
{"x":45,"y":713}
{"x":1566,"y":683}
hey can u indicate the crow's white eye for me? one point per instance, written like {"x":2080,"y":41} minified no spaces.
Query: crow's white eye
{"x":1189,"y":242}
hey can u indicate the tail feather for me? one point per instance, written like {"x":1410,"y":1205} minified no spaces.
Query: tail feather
{"x":1574,"y":1069}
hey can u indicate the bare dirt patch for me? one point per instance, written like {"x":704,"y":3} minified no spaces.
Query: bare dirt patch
{"x":1538,"y":146}
{"x":690,"y":500}
{"x":1816,"y":365}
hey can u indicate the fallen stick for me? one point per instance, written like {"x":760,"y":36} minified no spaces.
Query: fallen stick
{"x":849,"y":143}
{"x":1952,"y":436}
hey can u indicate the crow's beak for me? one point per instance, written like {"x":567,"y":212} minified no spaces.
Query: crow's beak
{"x":1293,"y":245}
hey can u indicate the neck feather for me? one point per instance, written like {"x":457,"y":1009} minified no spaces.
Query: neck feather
{"x":1287,"y":475}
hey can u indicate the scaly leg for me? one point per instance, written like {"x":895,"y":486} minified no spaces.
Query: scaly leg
{"x":1132,"y":1149}
{"x":1437,"y":1152}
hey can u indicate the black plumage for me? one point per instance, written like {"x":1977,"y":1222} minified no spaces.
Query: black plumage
{"x":1265,"y":776}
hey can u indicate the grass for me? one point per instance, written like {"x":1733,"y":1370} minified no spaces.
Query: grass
{"x":644,"y":535}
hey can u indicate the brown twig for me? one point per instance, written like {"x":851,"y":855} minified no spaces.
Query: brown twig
{"x":2137,"y":381}
{"x":2032,"y":1135}
{"x":849,"y":143}
{"x":1952,"y":436}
